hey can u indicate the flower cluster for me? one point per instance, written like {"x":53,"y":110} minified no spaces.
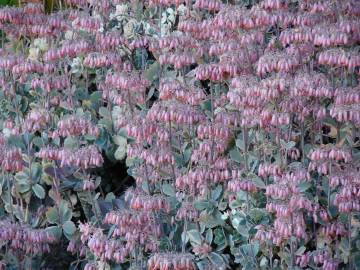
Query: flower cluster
{"x":84,"y":157}
{"x":176,"y":261}
{"x":24,"y":239}
{"x":76,"y":126}
{"x":237,"y":123}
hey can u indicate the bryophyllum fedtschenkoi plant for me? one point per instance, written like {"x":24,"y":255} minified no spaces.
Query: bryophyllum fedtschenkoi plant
{"x":169,"y":134}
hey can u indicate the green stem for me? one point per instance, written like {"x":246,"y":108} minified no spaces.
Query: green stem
{"x":26,"y":213}
{"x":329,"y":188}
{"x":93,"y":204}
{"x":338,"y":133}
{"x":170,"y":145}
{"x":185,"y":230}
{"x":247,"y":203}
{"x":160,"y":17}
{"x":292,"y":245}
{"x":302,"y":142}
{"x":147,"y":179}
{"x":212,"y":120}
{"x":10,"y":197}
{"x":130,"y":104}
{"x":349,"y":239}
{"x":246,"y":138}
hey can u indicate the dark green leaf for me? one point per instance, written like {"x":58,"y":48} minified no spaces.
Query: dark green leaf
{"x":194,"y":236}
{"x":217,"y":260}
{"x":215,"y":193}
{"x":258,"y":182}
{"x":201,"y":205}
{"x":236,"y":156}
{"x":54,"y":231}
{"x":81,"y":94}
{"x":64,"y":212}
{"x":209,"y":236}
{"x":304,"y":186}
{"x":168,"y":189}
{"x":69,"y":228}
{"x":37,"y":141}
{"x":219,"y":238}
{"x":206,"y":105}
{"x":22,"y":184}
{"x":71,"y":143}
{"x":211,"y":220}
{"x":152,"y":73}
{"x":240,"y":144}
{"x":36,"y":170}
{"x":257,"y":215}
{"x":95,"y":98}
{"x":300,"y":251}
{"x":39,"y":191}
{"x":120,"y":152}
{"x":105,"y":113}
{"x":52,"y":215}
{"x":287,"y":145}
{"x":250,"y":250}
{"x":356,"y":259}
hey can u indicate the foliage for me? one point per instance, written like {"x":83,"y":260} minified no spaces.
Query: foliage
{"x":237,"y":120}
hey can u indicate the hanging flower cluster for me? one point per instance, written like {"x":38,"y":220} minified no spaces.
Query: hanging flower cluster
{"x":237,"y":120}
{"x":25,"y":240}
